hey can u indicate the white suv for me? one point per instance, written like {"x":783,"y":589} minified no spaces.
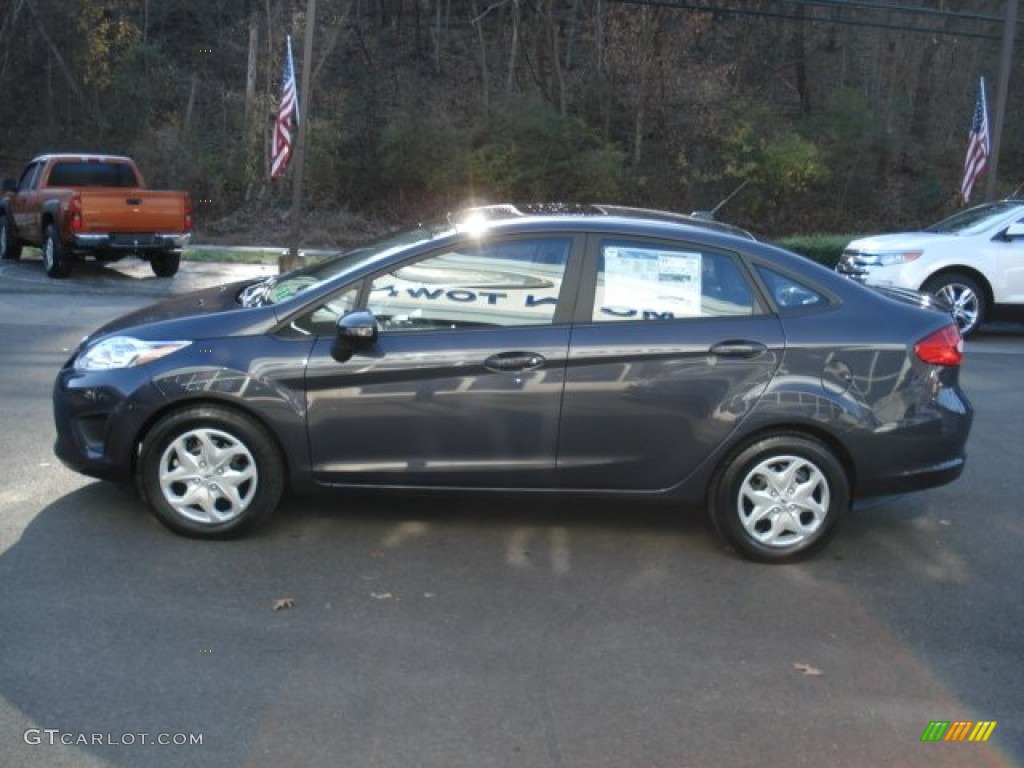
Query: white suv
{"x":974,"y":261}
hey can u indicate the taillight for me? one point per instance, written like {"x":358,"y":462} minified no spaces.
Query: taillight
{"x":75,"y":214}
{"x":188,"y":213}
{"x":944,"y":347}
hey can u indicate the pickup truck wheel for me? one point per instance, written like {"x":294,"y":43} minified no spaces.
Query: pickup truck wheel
{"x":10,"y":246}
{"x":165,"y":264}
{"x":56,"y":260}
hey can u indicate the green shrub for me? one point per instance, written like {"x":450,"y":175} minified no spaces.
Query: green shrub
{"x":824,"y":249}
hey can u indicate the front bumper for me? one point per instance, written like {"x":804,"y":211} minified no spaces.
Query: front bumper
{"x":98,"y":416}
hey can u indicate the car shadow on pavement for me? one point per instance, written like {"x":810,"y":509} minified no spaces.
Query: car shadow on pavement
{"x":114,"y":626}
{"x":360,"y":625}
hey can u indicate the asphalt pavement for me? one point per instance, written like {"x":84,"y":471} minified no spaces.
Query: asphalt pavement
{"x":129,"y":276}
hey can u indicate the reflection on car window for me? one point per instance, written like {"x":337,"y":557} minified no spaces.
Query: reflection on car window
{"x":275,"y":290}
{"x":475,"y":284}
{"x":789,"y":293}
{"x":323,"y":320}
{"x":651,"y":282}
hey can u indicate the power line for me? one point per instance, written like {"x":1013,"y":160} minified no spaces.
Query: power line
{"x":837,"y":4}
{"x":892,"y":8}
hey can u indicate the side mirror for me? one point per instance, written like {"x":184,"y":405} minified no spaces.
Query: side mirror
{"x":10,"y":185}
{"x":356,"y":330}
{"x":1014,"y":230}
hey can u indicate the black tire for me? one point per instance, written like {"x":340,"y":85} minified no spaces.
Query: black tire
{"x":56,"y":259}
{"x":964,"y":295}
{"x":10,"y":245}
{"x":194,"y":493}
{"x":802,"y":488}
{"x":165,"y":264}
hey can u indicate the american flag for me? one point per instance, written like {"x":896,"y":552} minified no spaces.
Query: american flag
{"x":286,"y":124}
{"x":978,"y":148}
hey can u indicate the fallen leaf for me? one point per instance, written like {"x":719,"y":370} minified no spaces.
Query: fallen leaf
{"x":284,"y":603}
{"x":807,"y":669}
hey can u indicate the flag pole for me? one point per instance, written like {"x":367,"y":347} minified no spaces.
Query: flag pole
{"x":292,"y":260}
{"x":1006,"y":59}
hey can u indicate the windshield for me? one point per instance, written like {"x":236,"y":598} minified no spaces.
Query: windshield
{"x":279,"y":288}
{"x":973,"y":219}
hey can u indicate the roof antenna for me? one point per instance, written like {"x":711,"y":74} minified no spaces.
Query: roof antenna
{"x":711,"y":214}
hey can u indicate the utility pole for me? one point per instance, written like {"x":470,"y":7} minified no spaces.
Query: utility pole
{"x":1009,"y":32}
{"x":293,"y":260}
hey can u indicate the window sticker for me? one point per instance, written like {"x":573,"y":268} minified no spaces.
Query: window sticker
{"x":651,"y":284}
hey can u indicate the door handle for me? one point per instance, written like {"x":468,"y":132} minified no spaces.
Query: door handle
{"x":514,"y":361}
{"x":738,"y":349}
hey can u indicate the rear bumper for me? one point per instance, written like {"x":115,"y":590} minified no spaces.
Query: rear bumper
{"x":926,"y":450}
{"x":137,"y":242}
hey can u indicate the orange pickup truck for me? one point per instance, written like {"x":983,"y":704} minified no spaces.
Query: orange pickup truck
{"x":71,"y":205}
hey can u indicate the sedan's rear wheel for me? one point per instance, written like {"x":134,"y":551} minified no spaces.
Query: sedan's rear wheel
{"x":210,"y":472}
{"x":780,"y":498}
{"x":965,"y":297}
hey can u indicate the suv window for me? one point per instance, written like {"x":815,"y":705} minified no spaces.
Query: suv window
{"x":475,"y":284}
{"x":644,"y":281}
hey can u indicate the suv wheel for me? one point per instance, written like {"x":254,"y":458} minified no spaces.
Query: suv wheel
{"x":964,"y":296}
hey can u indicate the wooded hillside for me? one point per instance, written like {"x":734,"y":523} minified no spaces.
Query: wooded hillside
{"x":842,"y":116}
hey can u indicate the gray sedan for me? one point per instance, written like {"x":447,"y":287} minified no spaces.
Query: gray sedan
{"x":598,"y":350}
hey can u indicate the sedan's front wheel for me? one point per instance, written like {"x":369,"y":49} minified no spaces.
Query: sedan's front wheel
{"x":211,"y":472}
{"x":780,"y":498}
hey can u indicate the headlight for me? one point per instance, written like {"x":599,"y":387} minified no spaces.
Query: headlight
{"x":125,"y":352}
{"x":888,"y":258}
